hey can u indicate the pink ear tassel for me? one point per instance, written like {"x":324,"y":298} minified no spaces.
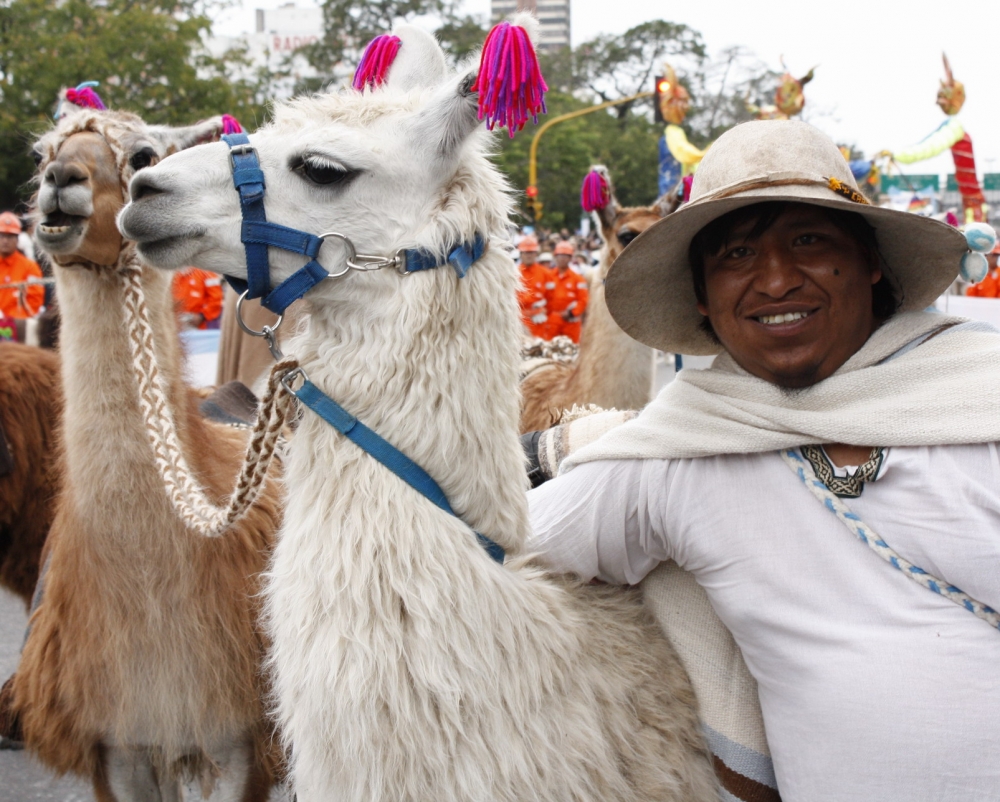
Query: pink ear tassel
{"x":510,"y":84}
{"x":376,"y":61}
{"x":85,"y":98}
{"x":688,"y":182}
{"x":594,"y":194}
{"x":230,"y":125}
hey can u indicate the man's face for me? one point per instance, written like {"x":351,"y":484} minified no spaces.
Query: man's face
{"x":562,"y":260}
{"x":529,"y":257}
{"x":8,"y":244}
{"x":794,"y":304}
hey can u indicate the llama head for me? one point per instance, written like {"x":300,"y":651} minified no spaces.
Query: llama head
{"x":84,"y":165}
{"x":401,"y":163}
{"x":622,"y":224}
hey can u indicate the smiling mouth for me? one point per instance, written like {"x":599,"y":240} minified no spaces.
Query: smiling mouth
{"x":788,"y":317}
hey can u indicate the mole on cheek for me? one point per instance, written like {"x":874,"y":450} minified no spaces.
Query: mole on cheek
{"x":836,"y":271}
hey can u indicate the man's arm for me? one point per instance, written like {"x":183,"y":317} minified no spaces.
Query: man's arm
{"x":602,"y":520}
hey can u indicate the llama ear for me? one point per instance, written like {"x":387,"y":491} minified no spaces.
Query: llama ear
{"x":598,"y":195}
{"x":670,"y":200}
{"x":173,"y":139}
{"x":449,"y":118}
{"x":418,"y":61}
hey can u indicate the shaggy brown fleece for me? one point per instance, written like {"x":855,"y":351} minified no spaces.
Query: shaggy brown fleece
{"x":30,"y":411}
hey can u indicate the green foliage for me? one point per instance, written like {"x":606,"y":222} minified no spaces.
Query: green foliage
{"x":148,"y":56}
{"x":567,"y":150}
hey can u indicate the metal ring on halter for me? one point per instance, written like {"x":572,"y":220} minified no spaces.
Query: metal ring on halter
{"x":362,"y":261}
{"x":267,"y":332}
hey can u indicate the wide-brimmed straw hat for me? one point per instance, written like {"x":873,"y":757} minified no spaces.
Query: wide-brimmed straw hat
{"x":649,"y":289}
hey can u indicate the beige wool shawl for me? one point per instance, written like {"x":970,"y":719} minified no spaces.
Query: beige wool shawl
{"x":921,"y":379}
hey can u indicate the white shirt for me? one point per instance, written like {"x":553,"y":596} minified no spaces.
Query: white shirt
{"x":871,"y":686}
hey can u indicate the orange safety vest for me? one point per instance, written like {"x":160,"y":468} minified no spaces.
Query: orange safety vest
{"x":537,"y":283}
{"x":198,"y":292}
{"x":989,"y":287}
{"x":18,"y":267}
{"x":569,"y":302}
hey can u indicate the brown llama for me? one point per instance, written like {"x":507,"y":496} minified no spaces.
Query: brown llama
{"x":30,"y":410}
{"x":143,"y":665}
{"x":611,"y":370}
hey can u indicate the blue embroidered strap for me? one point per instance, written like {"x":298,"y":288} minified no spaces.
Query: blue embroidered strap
{"x":394,"y":459}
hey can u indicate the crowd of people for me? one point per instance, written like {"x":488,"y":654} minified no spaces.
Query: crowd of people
{"x":554,"y":282}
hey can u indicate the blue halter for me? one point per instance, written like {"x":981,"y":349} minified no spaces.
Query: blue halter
{"x":257,"y":235}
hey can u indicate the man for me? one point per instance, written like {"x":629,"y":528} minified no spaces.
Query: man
{"x":537,"y":283}
{"x":16,"y":267}
{"x":569,"y":295}
{"x":989,"y":287}
{"x":876,"y":681}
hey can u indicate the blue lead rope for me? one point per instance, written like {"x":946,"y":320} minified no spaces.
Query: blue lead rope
{"x":394,"y":459}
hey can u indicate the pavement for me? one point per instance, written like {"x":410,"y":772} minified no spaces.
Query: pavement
{"x":23,"y":779}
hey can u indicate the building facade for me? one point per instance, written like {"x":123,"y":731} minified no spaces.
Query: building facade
{"x":553,"y":16}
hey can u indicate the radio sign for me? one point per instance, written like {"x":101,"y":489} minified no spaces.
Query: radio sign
{"x":289,"y":43}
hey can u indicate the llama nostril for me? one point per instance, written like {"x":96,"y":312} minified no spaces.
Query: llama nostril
{"x":65,"y":175}
{"x":143,"y":186}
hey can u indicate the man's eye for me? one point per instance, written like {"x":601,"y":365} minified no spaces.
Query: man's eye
{"x":807,"y":239}
{"x":739,"y":252}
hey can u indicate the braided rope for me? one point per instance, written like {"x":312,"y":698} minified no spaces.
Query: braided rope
{"x":182,"y":488}
{"x":805,"y":472}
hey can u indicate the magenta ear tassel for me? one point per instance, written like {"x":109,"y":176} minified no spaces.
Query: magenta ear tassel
{"x":85,"y":97}
{"x":594,"y":194}
{"x":230,"y":125}
{"x":376,"y":61}
{"x":510,"y":84}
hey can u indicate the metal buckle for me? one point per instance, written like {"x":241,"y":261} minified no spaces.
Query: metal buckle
{"x":291,"y":376}
{"x":240,"y":150}
{"x":269,"y":333}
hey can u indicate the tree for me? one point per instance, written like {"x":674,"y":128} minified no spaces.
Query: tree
{"x":348,"y":25}
{"x":147,"y":54}
{"x":612,"y":67}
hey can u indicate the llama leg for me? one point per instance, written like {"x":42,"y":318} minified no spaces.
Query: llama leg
{"x":239,"y":778}
{"x":126,"y":774}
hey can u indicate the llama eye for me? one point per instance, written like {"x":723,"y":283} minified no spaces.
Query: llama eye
{"x":323,"y":174}
{"x":625,"y":237}
{"x":37,"y":156}
{"x":142,"y":158}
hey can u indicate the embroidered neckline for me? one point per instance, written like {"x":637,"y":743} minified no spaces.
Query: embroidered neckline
{"x":849,"y":486}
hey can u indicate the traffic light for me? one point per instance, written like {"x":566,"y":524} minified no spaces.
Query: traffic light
{"x":661,"y":88}
{"x":533,"y":203}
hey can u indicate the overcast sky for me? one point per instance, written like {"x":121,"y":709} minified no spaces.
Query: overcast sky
{"x":879,"y":60}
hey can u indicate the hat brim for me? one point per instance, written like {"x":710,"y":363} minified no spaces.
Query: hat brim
{"x":650,"y":292}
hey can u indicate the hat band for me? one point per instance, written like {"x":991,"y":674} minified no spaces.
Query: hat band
{"x":766,"y":182}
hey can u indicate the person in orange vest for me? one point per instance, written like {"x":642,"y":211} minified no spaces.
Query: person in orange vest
{"x":15,"y":267}
{"x":569,"y":296}
{"x":537,"y":284}
{"x":198,"y":298}
{"x":989,"y":287}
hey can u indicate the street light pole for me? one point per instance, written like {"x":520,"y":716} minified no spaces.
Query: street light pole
{"x":533,"y":202}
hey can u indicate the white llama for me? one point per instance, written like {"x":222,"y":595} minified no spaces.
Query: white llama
{"x":408,"y":665}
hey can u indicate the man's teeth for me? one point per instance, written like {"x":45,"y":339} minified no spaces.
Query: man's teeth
{"x":770,"y":320}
